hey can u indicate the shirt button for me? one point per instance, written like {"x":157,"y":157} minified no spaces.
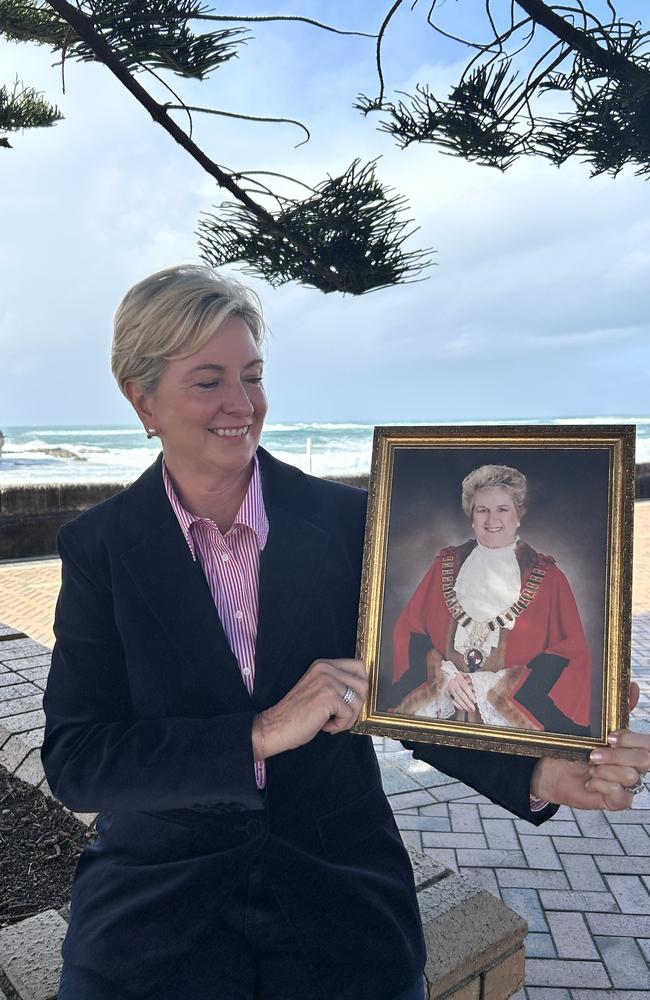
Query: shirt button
{"x":246,"y":671}
{"x":225,"y":557}
{"x":239,"y":615}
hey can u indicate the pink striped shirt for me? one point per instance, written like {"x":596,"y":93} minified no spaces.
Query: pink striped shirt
{"x":231,"y":564}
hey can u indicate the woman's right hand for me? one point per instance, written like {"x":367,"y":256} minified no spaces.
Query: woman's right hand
{"x":314,"y":705}
{"x":461,"y":691}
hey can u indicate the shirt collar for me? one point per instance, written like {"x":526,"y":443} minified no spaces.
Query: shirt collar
{"x":252,"y":513}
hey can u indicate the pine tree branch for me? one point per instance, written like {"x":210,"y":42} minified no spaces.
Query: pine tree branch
{"x":280,"y":17}
{"x":612,"y":63}
{"x":381,"y":261}
{"x":246,"y":118}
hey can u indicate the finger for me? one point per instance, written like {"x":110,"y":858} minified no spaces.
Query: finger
{"x":462,"y":700}
{"x":629,"y":738}
{"x":631,"y":757}
{"x":355,"y":667}
{"x":635,"y":691}
{"x":344,"y":719}
{"x":614,"y":796}
{"x":615,"y":774}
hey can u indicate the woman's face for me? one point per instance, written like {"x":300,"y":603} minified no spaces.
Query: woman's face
{"x":209,"y":408}
{"x":494,"y":518}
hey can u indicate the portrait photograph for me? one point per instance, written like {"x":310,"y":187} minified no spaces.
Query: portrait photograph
{"x":497,"y":586}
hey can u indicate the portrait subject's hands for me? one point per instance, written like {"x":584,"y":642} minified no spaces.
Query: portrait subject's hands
{"x":327,"y":698}
{"x":602,"y":782}
{"x":461,"y":691}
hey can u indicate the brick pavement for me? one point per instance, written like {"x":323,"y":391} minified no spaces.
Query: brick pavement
{"x":582,"y":880}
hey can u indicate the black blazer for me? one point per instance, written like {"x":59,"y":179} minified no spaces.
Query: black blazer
{"x":148,"y":722}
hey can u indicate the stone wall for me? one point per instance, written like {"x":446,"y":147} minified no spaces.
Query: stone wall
{"x":30,"y":516}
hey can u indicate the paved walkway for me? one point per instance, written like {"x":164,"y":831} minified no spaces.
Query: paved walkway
{"x":582,"y":880}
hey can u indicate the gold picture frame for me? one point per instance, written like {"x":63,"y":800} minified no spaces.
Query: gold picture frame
{"x":573,"y":691}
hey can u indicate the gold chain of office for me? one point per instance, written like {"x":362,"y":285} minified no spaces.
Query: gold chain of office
{"x":457,"y":611}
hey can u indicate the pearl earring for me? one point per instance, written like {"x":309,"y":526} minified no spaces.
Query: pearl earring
{"x":151,"y":433}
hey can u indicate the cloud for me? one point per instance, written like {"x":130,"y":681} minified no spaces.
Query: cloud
{"x":540,"y":279}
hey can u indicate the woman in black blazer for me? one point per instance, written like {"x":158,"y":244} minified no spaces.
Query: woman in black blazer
{"x":206,"y":881}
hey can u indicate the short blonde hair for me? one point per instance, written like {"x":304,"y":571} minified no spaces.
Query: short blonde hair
{"x":487,"y":476}
{"x":172,"y":314}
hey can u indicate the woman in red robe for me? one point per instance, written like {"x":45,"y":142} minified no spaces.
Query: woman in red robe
{"x":495,"y":625}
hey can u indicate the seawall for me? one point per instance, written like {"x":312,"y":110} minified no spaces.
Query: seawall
{"x":30,"y":516}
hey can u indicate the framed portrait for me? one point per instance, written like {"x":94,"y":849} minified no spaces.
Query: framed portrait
{"x":497,"y":584}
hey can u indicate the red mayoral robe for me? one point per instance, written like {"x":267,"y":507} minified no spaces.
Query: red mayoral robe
{"x":546,"y":650}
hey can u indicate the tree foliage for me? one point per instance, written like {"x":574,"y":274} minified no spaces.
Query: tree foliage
{"x":347,"y":233}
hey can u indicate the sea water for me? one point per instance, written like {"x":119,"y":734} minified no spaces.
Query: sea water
{"x":39,"y":455}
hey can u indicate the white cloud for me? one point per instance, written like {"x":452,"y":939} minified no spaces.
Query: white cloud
{"x":540,"y":273}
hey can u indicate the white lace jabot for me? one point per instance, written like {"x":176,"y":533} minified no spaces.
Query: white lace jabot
{"x":488,"y":582}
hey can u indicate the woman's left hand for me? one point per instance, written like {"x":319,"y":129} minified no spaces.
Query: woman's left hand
{"x":604,"y":781}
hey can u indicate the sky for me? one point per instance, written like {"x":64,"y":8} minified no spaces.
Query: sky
{"x":538,"y":304}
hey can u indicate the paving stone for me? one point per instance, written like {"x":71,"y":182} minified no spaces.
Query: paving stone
{"x":582,"y":872}
{"x":634,"y":839}
{"x":20,"y":649}
{"x":540,"y":852}
{"x":571,"y":936}
{"x":531,"y":878}
{"x":624,"y":962}
{"x":552,"y":827}
{"x":619,"y":924}
{"x":24,"y":722}
{"x":587,"y":845}
{"x":563,"y":972}
{"x":9,"y":678}
{"x":492,"y":811}
{"x":476,"y":858}
{"x":592,"y":823}
{"x":629,"y":816}
{"x":406,"y":800}
{"x":548,"y":994}
{"x":13,"y":753}
{"x":412,"y":838}
{"x":23,"y":689}
{"x":609,"y":994}
{"x":484,"y":877}
{"x":29,"y":663}
{"x":500,"y":834}
{"x":31,"y":769}
{"x":18,"y":706}
{"x":454,"y":840}
{"x":457,"y":790}
{"x":630,"y":893}
{"x":623,"y":866}
{"x":394,"y":780}
{"x":30,"y":955}
{"x":434,"y":809}
{"x":432,"y":824}
{"x":540,"y":946}
{"x":464,"y":817}
{"x":526,"y":903}
{"x":422,"y":773}
{"x":579,"y":899}
{"x":443,"y":855}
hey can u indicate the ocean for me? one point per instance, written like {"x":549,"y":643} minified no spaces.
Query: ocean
{"x":40,"y":455}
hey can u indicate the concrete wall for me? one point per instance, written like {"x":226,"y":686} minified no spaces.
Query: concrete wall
{"x":30,"y":516}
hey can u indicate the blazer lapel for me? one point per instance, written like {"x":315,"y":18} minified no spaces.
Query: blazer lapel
{"x":177,"y":593}
{"x":289,"y":566}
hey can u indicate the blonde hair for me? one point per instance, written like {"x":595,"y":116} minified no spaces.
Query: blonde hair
{"x":172,"y":314}
{"x":489,"y":476}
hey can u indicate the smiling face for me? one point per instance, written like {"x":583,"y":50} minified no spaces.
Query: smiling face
{"x":494,"y":517}
{"x":208,"y":409}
